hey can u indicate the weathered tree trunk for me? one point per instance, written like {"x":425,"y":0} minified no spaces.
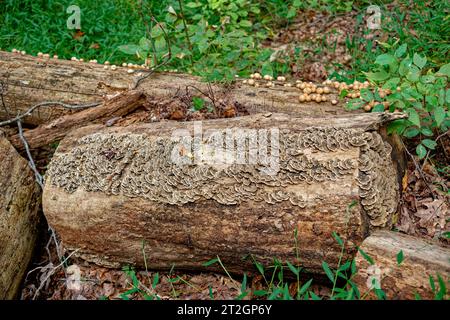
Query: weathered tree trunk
{"x":32,"y":80}
{"x":421,"y":260}
{"x":19,"y":204}
{"x":109,"y":190}
{"x":56,"y":130}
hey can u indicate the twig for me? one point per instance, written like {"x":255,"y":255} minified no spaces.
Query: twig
{"x":49,"y":103}
{"x":51,"y":273}
{"x":419,"y":170}
{"x":30,"y":158}
{"x":168,"y":57}
{"x":185,"y":26}
{"x":40,"y":181}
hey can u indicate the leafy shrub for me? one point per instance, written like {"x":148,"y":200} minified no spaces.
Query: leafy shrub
{"x":412,"y":88}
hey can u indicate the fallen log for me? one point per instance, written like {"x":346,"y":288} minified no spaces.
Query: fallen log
{"x":31,"y":80}
{"x":402,"y":266}
{"x":234,"y":188}
{"x":19,"y":218}
{"x":55,"y":130}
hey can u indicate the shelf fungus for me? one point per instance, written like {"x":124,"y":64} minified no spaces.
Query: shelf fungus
{"x":240,"y":186}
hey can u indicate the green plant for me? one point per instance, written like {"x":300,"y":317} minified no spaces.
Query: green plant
{"x":413,"y":88}
{"x":138,"y":287}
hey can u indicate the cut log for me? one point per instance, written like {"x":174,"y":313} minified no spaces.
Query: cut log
{"x":232,"y":187}
{"x":19,"y":218}
{"x":32,"y":80}
{"x":45,"y":134}
{"x":421,"y":260}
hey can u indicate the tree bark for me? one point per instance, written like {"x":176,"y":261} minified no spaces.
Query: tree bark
{"x":114,"y":193}
{"x":45,"y":134}
{"x":421,"y":260}
{"x":32,"y":80}
{"x":19,"y":218}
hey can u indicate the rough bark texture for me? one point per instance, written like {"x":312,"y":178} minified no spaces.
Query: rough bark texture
{"x":108,"y":190}
{"x":32,"y":80}
{"x":421,"y":260}
{"x":55,"y":130}
{"x":19,"y":204}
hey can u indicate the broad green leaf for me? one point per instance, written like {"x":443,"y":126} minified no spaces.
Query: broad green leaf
{"x":445,"y":70}
{"x":193,"y":5}
{"x":421,"y":151}
{"x":266,"y":69}
{"x":145,"y":44}
{"x":430,"y":144}
{"x":439,"y":115}
{"x":131,"y":49}
{"x":245,"y":23}
{"x":411,"y":132}
{"x":386,"y":59}
{"x":414,"y":117}
{"x":400,"y":257}
{"x":427,"y":78}
{"x":426,"y":131}
{"x":377,"y":76}
{"x":392,"y":83}
{"x":198,"y":103}
{"x":419,"y":61}
{"x":378,"y":108}
{"x":397,"y":126}
{"x":366,"y":95}
{"x":413,"y":74}
{"x":405,"y":64}
{"x":401,"y":50}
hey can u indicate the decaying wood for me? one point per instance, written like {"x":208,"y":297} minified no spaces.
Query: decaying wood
{"x":421,"y":259}
{"x":19,"y":203}
{"x":31,"y":80}
{"x":55,"y":130}
{"x":110,"y":191}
